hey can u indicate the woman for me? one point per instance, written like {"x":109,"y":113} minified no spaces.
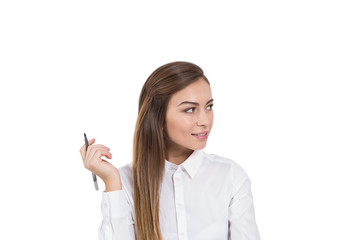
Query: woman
{"x":173,"y":189}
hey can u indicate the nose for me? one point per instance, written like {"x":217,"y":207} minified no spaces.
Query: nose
{"x":203,"y":118}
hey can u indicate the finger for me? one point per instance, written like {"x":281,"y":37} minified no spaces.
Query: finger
{"x":94,"y":157}
{"x":89,"y":142}
{"x":91,"y":150}
{"x":100,"y":146}
{"x":83,"y":148}
{"x":82,"y":152}
{"x":95,"y":149}
{"x":103,"y":152}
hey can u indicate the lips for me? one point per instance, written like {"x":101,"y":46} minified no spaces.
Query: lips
{"x":201,"y":133}
{"x":201,"y":136}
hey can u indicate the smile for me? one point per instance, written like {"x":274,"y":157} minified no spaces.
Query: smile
{"x":203,"y":135}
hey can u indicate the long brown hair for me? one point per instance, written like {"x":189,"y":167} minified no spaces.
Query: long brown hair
{"x":150,"y":139}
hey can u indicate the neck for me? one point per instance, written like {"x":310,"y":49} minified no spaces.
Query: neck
{"x":178,"y":156}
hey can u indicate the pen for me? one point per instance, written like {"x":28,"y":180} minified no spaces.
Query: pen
{"x":93,"y":175}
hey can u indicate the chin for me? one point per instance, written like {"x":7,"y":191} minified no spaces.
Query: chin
{"x":199,"y":147}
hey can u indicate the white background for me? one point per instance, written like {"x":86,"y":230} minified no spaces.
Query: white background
{"x":284,"y":76}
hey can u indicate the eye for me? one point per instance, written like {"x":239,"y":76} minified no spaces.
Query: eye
{"x":187,"y":110}
{"x":211,"y":106}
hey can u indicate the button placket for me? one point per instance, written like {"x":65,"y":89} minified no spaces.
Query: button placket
{"x":179,"y":204}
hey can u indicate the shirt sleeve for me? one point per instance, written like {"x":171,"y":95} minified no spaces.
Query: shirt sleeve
{"x":117,"y":222}
{"x":242,"y":223}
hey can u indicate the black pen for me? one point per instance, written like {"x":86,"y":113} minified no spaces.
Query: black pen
{"x":93,"y":175}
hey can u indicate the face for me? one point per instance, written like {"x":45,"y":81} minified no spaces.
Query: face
{"x":189,"y":112}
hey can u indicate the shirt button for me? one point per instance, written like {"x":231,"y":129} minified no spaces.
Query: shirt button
{"x":182,"y":233}
{"x":179,"y":204}
{"x":177,"y":178}
{"x":105,"y":205}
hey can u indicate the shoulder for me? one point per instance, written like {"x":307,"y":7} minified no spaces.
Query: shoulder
{"x":221,"y":160}
{"x":235,"y":171}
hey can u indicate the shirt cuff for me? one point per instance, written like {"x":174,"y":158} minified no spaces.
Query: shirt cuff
{"x":114,"y":204}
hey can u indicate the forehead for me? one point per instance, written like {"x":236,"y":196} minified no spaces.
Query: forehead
{"x":198,"y":91}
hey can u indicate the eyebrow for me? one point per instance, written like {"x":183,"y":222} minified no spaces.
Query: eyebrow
{"x":195,"y":103}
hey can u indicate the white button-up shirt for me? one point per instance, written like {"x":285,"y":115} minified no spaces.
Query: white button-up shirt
{"x":206,"y":197}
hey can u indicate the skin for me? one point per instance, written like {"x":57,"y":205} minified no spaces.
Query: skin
{"x":106,"y":171}
{"x":181,"y":121}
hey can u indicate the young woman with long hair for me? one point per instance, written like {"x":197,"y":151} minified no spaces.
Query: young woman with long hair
{"x":173,"y":189}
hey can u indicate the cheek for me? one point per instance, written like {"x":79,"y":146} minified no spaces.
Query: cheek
{"x":211,"y":118}
{"x":179,"y":125}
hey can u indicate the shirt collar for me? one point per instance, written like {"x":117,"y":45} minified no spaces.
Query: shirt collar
{"x":191,"y":164}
